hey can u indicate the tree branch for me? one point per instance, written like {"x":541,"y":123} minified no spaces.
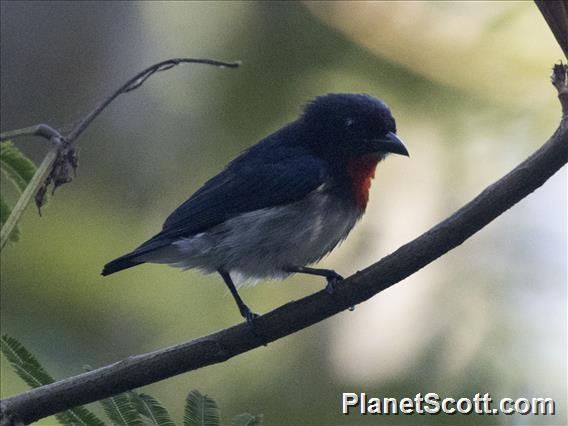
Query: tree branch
{"x":555,"y":14}
{"x":148,"y":368}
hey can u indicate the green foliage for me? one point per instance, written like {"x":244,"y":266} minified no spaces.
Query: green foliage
{"x":15,"y":165}
{"x":17,"y":169}
{"x":24,"y":363}
{"x":121,"y":410}
{"x":79,"y":416}
{"x":200,"y":410}
{"x":125,"y":409}
{"x":30,"y":371}
{"x":151,"y":409}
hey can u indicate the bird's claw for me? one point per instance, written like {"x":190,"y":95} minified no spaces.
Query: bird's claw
{"x":250,"y":318}
{"x":332,"y":279}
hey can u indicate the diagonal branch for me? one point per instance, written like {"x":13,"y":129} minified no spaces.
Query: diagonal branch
{"x":555,"y":13}
{"x":148,"y":368}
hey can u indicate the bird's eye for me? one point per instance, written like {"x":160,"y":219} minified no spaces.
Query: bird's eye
{"x":349,"y":123}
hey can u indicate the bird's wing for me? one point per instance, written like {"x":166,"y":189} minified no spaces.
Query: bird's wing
{"x":267,"y":175}
{"x":239,"y":189}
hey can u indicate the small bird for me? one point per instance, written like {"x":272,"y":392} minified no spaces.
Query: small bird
{"x":284,"y":203}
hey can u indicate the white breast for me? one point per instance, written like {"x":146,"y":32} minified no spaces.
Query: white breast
{"x":261,"y":244}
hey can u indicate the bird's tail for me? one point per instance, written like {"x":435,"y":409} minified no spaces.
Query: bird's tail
{"x":138,"y":256}
{"x":123,"y":262}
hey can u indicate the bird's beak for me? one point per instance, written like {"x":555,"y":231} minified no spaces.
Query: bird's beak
{"x":391,"y":143}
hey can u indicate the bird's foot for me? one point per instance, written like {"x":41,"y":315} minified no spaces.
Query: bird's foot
{"x":250,"y":318}
{"x":333,"y":278}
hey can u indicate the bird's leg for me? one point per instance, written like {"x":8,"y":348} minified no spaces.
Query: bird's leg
{"x":330,"y":275}
{"x":246,"y":313}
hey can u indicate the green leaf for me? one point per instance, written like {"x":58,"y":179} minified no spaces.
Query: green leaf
{"x":121,"y":411}
{"x":79,"y":416}
{"x":30,"y":370}
{"x":19,"y":170}
{"x":247,"y":419}
{"x":200,"y":410}
{"x":151,"y":409}
{"x":5,"y":211}
{"x":16,"y":166}
{"x":24,"y":363}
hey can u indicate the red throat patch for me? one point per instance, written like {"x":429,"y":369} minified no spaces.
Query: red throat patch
{"x":362,"y":171}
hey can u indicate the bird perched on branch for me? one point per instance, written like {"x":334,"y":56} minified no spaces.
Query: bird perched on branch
{"x":284,"y":203}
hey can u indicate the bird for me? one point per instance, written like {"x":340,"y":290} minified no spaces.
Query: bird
{"x":284,"y":203}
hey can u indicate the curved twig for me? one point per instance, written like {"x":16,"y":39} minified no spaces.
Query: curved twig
{"x":137,"y":81}
{"x":59,"y":163}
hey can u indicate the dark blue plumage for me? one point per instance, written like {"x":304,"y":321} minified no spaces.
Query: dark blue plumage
{"x":268,"y":174}
{"x":285,"y":202}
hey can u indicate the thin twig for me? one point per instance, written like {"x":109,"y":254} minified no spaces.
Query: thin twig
{"x":135,"y":82}
{"x":42,"y":130}
{"x":141,"y":370}
{"x":56,"y":167}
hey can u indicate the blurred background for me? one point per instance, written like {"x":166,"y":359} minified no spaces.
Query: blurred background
{"x":469,"y":85}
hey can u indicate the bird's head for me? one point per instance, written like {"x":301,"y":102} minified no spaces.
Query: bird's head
{"x":343,"y":126}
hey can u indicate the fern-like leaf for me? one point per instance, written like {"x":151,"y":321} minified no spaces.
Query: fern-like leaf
{"x":247,"y":419}
{"x":5,"y":211}
{"x":151,"y":409}
{"x":78,"y":416}
{"x":200,"y":410}
{"x":16,"y":166}
{"x":24,"y":363}
{"x":30,"y":371}
{"x":19,"y":170}
{"x":121,"y":411}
